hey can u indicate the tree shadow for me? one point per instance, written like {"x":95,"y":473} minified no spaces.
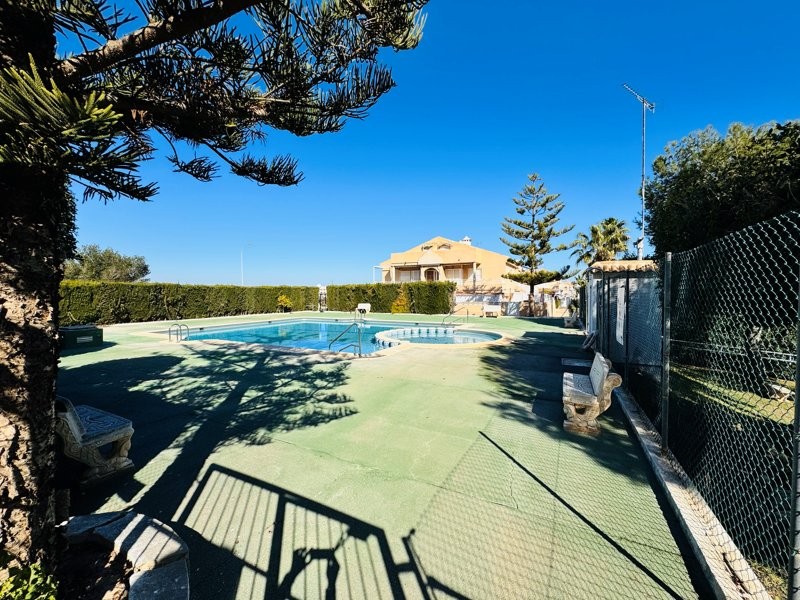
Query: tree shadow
{"x":528,"y":375}
{"x":529,"y":367}
{"x":192,"y":403}
{"x":253,"y":539}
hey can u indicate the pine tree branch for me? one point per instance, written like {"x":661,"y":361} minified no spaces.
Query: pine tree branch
{"x":150,"y":36}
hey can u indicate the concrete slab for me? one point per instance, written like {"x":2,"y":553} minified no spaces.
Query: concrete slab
{"x":170,"y":581}
{"x":423,"y":472}
{"x":147,"y":543}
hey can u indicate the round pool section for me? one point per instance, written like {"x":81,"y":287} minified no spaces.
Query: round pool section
{"x":434,"y":335}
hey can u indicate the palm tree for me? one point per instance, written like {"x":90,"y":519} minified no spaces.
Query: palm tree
{"x":605,"y":240}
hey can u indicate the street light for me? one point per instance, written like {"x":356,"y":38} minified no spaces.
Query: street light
{"x":646,"y":105}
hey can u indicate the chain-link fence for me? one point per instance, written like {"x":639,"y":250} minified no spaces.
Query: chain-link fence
{"x":624,"y":308}
{"x":732,"y":340}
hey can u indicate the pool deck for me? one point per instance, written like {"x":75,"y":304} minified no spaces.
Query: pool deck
{"x":428,"y":472}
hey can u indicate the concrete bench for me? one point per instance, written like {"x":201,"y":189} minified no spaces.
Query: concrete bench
{"x":586,"y":397}
{"x":491,"y":309}
{"x":85,"y":430}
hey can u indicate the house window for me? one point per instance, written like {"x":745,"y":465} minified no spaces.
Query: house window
{"x":405,"y":276}
{"x":427,"y":247}
{"x":431,"y":275}
{"x":453,"y":273}
{"x":444,"y":247}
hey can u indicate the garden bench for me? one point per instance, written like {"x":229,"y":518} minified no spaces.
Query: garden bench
{"x":491,"y":309}
{"x":586,"y":397}
{"x":85,"y":430}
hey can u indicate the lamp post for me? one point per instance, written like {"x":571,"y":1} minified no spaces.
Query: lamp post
{"x":646,"y":105}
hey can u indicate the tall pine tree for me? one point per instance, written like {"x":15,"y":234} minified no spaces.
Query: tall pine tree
{"x":532,"y":234}
{"x":206,"y":77}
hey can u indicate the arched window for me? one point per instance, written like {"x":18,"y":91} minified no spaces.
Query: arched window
{"x":431,"y":275}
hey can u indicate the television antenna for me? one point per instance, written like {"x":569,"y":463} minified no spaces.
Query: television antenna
{"x":646,"y":105}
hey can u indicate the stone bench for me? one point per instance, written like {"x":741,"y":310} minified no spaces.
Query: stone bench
{"x":491,"y":309}
{"x":586,"y":397}
{"x":85,"y":430}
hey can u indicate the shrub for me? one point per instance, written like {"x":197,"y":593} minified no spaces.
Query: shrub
{"x":424,"y":297}
{"x":26,"y":583}
{"x":111,"y":302}
{"x":284,"y":303}
{"x":401,"y":304}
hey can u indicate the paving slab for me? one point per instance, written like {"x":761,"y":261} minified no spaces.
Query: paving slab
{"x":420,"y":473}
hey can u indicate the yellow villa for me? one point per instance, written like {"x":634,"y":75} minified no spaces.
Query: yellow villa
{"x":477,"y":273}
{"x":441,"y":259}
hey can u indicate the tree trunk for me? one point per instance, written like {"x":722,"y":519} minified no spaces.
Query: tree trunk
{"x":31,"y":255}
{"x":37,"y":218}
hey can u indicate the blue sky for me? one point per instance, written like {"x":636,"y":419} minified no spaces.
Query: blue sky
{"x":494,"y":92}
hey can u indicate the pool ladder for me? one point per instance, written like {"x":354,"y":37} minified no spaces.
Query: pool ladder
{"x":452,"y":313}
{"x":355,"y":345}
{"x":180,"y":330}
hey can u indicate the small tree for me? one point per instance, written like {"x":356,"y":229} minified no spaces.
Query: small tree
{"x":532,"y":234}
{"x":105,"y":265}
{"x":606,"y":239}
{"x":284,"y":303}
{"x":401,"y":304}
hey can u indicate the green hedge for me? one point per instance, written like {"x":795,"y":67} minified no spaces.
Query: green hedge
{"x":109,"y":302}
{"x":429,"y":298}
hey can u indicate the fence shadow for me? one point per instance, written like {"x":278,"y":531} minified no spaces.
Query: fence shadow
{"x":253,"y":539}
{"x":503,"y":524}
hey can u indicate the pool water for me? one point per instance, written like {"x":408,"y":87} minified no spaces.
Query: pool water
{"x":320,"y":335}
{"x":312,"y":335}
{"x":438,"y":335}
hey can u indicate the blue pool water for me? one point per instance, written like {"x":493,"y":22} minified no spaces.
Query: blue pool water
{"x":319,"y":335}
{"x":313,"y":335}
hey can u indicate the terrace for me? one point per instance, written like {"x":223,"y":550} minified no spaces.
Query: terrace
{"x":421,"y":473}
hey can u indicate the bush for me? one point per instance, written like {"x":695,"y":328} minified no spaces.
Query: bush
{"x":111,"y":302}
{"x":401,"y":304}
{"x":424,"y":297}
{"x":284,"y":303}
{"x":26,"y":583}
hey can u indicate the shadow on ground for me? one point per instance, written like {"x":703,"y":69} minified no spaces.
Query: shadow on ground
{"x":252,"y":539}
{"x":528,"y":372}
{"x":191,"y":404}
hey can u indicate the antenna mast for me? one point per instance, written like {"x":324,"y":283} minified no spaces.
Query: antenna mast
{"x":646,"y":105}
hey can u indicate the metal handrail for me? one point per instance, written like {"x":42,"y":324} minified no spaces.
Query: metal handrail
{"x":455,"y":310}
{"x":178,"y":328}
{"x":355,"y":324}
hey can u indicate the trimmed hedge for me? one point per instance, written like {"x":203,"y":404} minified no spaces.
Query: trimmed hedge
{"x":428,"y":298}
{"x":111,"y":302}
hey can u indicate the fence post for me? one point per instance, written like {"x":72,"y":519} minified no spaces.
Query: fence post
{"x":665,"y":340}
{"x":607,"y":324}
{"x":794,"y":520}
{"x":627,"y":324}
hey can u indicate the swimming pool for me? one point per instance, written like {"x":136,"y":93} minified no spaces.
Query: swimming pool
{"x":432,"y":334}
{"x":340,"y":336}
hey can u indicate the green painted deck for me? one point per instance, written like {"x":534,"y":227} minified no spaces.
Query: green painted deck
{"x":429,"y":472}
